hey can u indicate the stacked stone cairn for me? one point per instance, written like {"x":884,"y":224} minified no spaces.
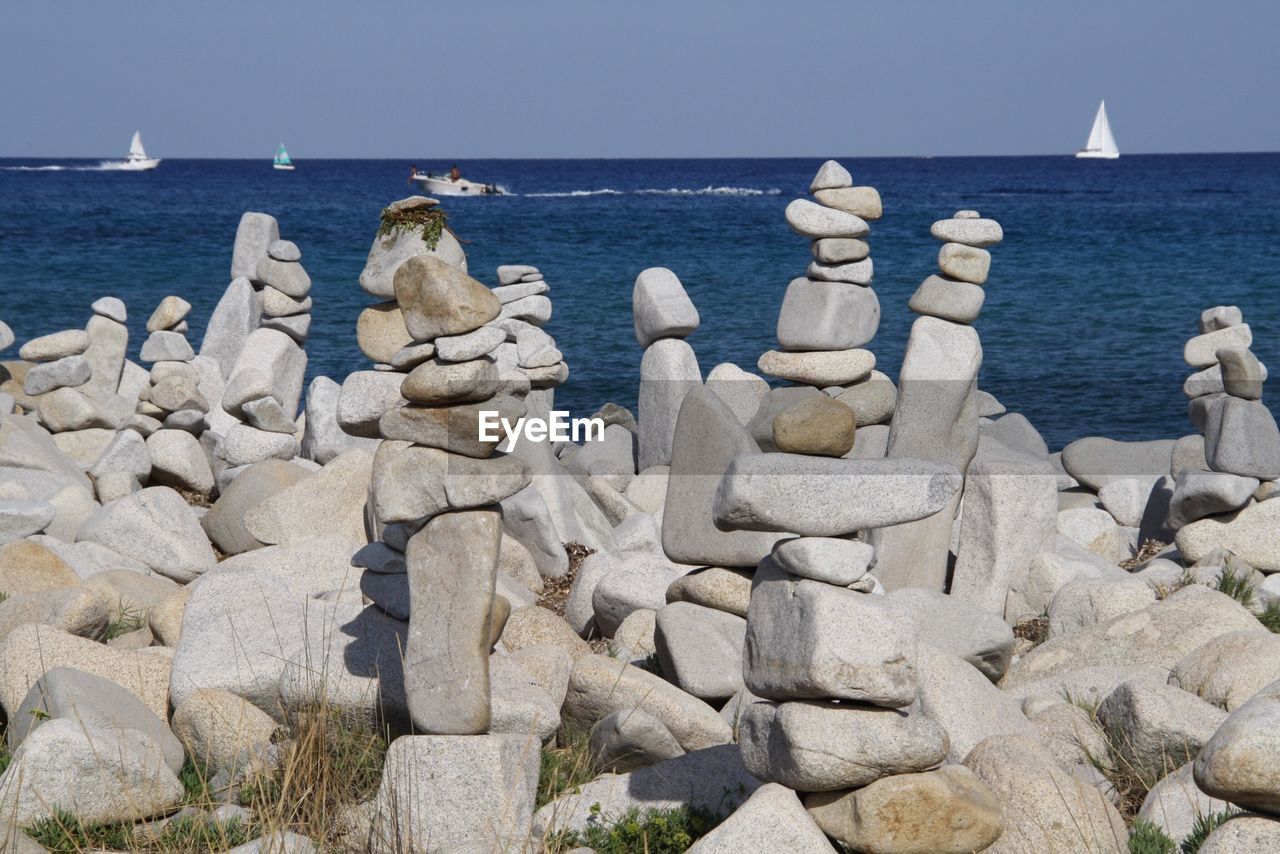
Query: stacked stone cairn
{"x":1241,"y":446}
{"x":937,"y":409}
{"x":663,"y":317}
{"x":827,"y":317}
{"x":256,"y":336}
{"x":434,"y":500}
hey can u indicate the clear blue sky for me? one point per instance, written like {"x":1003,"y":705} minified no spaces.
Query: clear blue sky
{"x":642,"y":78}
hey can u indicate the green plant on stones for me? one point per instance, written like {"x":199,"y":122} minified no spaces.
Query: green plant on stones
{"x":1206,"y":824}
{"x":1238,"y":587}
{"x":1270,"y":616}
{"x":565,"y":768}
{"x":64,"y":833}
{"x":1147,"y":838}
{"x":656,"y":831}
{"x":428,"y":221}
{"x":130,"y":620}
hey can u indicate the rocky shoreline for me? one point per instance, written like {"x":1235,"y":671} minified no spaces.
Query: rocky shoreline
{"x":825,"y":611}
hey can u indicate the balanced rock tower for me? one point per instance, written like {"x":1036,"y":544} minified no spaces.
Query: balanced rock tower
{"x":828,"y":315}
{"x":436,"y":481}
{"x":1241,"y":443}
{"x":937,"y":416}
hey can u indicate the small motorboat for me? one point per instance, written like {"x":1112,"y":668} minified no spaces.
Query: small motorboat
{"x":443,"y":185}
{"x":137,"y":161}
{"x":282,"y":161}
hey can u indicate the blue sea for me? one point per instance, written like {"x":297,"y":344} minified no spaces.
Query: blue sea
{"x":1101,"y":277}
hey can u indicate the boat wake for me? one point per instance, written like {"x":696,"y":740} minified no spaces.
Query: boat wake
{"x":655,"y":191}
{"x":104,"y":166}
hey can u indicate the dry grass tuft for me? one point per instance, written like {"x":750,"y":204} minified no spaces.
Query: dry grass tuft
{"x":555,"y":591}
{"x":1149,"y":549}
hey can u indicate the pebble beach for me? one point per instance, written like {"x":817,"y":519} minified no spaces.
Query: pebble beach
{"x":844,"y":566}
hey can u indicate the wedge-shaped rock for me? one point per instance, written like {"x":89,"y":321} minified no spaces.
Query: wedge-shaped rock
{"x":600,"y":685}
{"x":1155,"y":726}
{"x":97,"y":775}
{"x":270,"y":365}
{"x":700,"y":649}
{"x":773,"y":819}
{"x":810,"y":640}
{"x":155,"y":526}
{"x":411,"y":482}
{"x":707,"y":439}
{"x":331,"y":501}
{"x":438,"y":299}
{"x":949,"y":623}
{"x":822,"y":747}
{"x":822,"y":497}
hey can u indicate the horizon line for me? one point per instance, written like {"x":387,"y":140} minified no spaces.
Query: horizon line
{"x":115,"y":157}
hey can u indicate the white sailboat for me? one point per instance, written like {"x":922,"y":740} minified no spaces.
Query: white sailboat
{"x":282,"y":161}
{"x":137,"y":161}
{"x":1101,"y":144}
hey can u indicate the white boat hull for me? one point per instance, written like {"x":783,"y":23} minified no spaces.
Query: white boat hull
{"x":283,"y":167}
{"x":1097,"y":155}
{"x":142,"y":165}
{"x":462,"y":187}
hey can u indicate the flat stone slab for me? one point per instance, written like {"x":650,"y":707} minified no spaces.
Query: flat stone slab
{"x":822,"y":497}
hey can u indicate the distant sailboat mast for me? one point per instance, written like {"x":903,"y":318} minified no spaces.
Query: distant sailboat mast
{"x":136,"y":151}
{"x":1102,"y":143}
{"x":282,"y":160}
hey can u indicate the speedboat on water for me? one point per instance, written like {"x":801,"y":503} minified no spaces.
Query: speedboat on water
{"x":137,"y":161}
{"x":282,"y":161}
{"x":453,"y":185}
{"x":1102,"y":143}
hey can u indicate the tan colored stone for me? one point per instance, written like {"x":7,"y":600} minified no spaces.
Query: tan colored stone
{"x":439,"y":299}
{"x":715,"y":587}
{"x":948,"y":811}
{"x":216,"y":727}
{"x":818,"y":425}
{"x":27,"y":567}
{"x":381,"y":333}
{"x":165,"y":618}
{"x":536,"y":625}
{"x":29,"y":651}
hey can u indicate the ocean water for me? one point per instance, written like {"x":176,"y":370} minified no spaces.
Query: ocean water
{"x":1101,"y":277}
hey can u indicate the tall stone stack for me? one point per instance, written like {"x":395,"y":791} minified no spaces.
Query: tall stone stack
{"x":529,"y":363}
{"x":171,"y":397}
{"x":56,"y":379}
{"x":937,"y":416}
{"x":1241,"y":439}
{"x":664,"y":316}
{"x":828,"y":315}
{"x":284,"y":290}
{"x":436,"y":482}
{"x":253,"y":357}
